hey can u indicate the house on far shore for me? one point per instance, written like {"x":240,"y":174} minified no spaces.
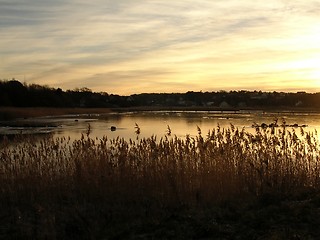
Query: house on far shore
{"x":209,"y":104}
{"x":299,"y":104}
{"x":242,"y":105}
{"x":224,"y":104}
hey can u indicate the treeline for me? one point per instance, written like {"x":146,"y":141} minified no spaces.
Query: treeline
{"x":16,"y":94}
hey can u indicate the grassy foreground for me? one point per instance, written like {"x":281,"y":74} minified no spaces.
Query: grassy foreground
{"x":229,"y":184}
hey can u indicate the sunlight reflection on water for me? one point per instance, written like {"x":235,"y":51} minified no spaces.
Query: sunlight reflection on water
{"x":156,"y":123}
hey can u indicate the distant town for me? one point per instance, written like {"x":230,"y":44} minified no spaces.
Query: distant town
{"x":13,"y":93}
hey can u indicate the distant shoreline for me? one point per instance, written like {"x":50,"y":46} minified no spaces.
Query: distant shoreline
{"x":216,"y":109}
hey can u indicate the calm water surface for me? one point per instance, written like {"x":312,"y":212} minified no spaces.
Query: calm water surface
{"x":156,"y":123}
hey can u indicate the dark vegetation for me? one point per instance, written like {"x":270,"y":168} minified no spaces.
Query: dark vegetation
{"x":15,"y":94}
{"x":229,"y":184}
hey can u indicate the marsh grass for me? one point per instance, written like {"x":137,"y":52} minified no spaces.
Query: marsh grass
{"x":104,"y":188}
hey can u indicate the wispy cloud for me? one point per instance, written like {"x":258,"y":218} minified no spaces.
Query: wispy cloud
{"x":129,"y":46}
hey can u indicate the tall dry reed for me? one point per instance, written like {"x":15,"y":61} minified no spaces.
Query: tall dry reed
{"x":224,"y":163}
{"x":55,"y":188}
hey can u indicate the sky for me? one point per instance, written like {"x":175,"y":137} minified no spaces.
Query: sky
{"x":142,"y":46}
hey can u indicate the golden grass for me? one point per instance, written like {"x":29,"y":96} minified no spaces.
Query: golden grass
{"x":224,"y":163}
{"x":117,"y":176}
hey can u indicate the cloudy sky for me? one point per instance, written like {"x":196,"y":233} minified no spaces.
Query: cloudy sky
{"x":135,"y":46}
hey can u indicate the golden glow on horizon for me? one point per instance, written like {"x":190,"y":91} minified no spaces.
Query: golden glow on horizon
{"x":315,"y":76}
